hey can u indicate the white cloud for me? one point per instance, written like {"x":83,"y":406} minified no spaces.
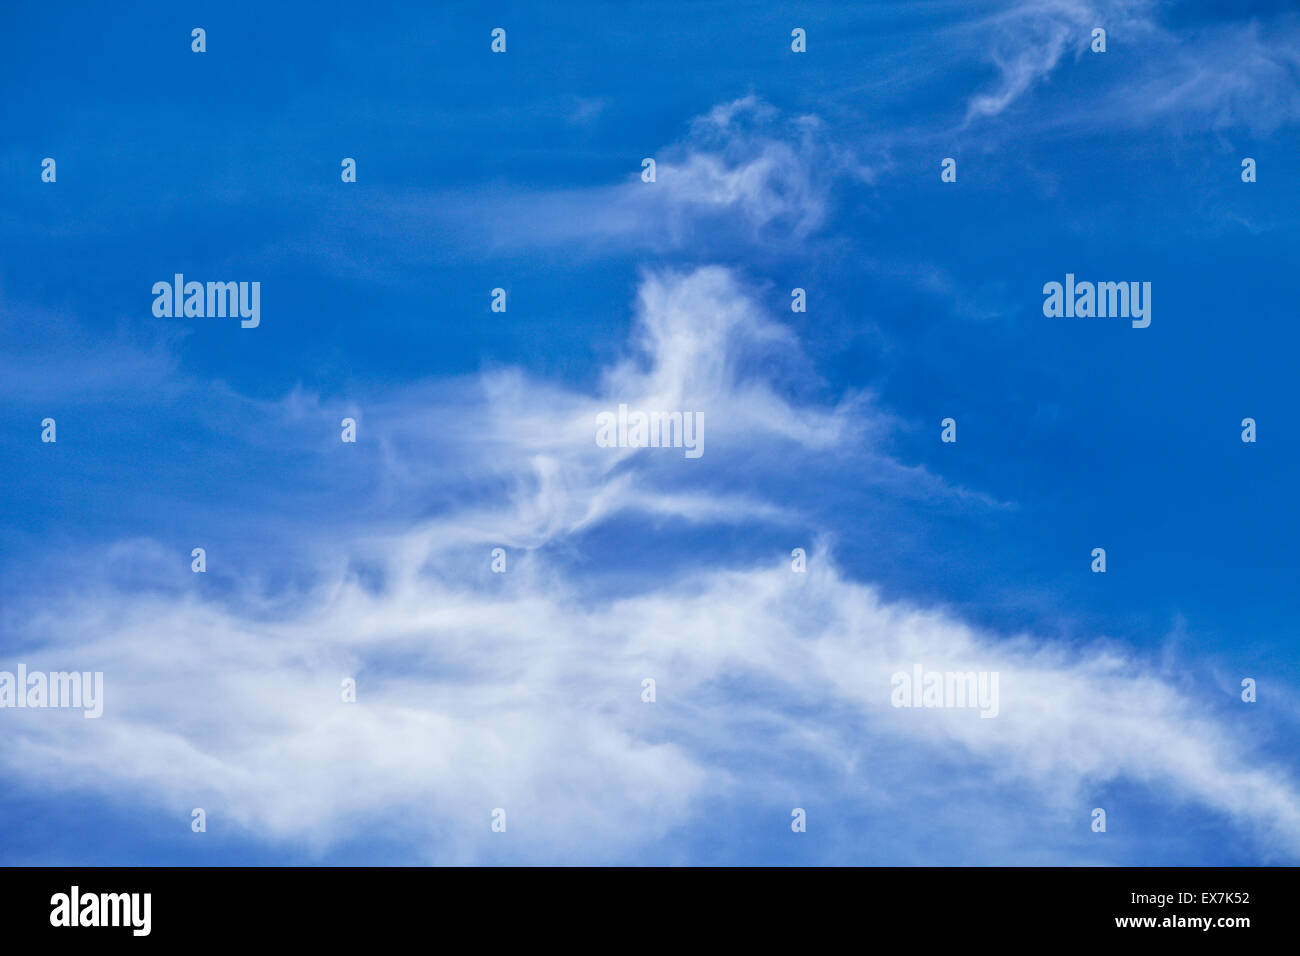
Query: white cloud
{"x":744,"y":173}
{"x":1213,"y":75}
{"x":1226,"y":75}
{"x":1028,"y":40}
{"x":522,"y":690}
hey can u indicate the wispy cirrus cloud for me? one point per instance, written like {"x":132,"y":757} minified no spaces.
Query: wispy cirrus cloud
{"x":1212,"y":75}
{"x":522,"y":690}
{"x":1028,"y":40}
{"x":744,"y":175}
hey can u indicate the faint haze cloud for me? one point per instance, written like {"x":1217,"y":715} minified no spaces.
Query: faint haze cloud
{"x":1214,"y":75}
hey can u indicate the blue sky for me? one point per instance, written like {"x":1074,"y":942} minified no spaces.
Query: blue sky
{"x":775,"y":170}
